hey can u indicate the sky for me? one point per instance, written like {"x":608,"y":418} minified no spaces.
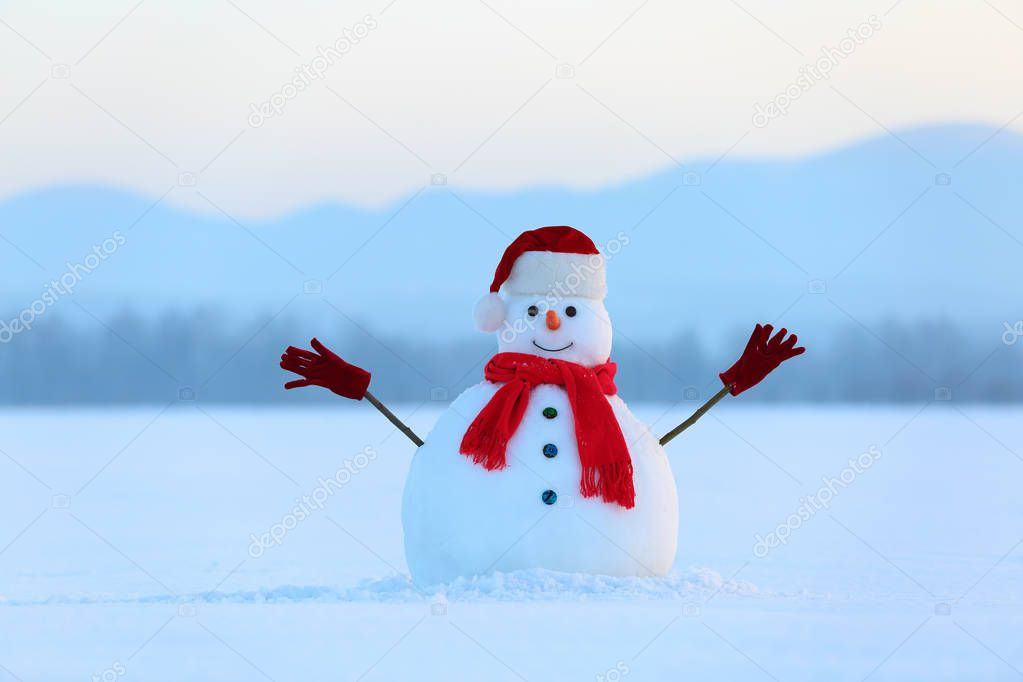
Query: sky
{"x":395,"y":95}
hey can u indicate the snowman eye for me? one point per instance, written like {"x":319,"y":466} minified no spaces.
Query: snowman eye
{"x":532,"y":311}
{"x":570,"y":311}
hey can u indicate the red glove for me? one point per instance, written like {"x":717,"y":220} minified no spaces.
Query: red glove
{"x":761,"y":356}
{"x":326,"y":370}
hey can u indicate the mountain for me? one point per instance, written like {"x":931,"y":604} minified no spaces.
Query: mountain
{"x":920,"y":223}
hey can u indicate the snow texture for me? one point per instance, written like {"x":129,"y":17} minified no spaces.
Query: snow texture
{"x":518,"y":586}
{"x":126,"y":543}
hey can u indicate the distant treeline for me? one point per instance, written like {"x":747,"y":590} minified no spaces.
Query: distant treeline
{"x":127,"y":357}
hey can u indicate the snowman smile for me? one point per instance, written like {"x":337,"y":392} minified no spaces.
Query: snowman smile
{"x":553,"y":350}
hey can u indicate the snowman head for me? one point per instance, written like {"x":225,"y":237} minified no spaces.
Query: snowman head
{"x":547,"y":298}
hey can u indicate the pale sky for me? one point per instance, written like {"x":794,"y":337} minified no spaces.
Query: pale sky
{"x":494,"y":94}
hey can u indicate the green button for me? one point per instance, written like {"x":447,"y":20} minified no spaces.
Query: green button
{"x":550,"y":412}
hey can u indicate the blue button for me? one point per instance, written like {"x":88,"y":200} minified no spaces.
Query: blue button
{"x":550,"y":450}
{"x":549,"y":497}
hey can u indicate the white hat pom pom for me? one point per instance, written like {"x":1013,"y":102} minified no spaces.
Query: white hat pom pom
{"x":489,"y":313}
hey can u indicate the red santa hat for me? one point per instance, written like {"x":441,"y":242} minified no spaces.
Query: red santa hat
{"x":554,"y":261}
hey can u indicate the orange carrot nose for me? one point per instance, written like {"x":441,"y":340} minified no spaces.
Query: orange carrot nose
{"x":552,"y":320}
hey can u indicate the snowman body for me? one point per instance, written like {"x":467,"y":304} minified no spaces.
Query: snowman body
{"x":461,"y":519}
{"x":509,"y":495}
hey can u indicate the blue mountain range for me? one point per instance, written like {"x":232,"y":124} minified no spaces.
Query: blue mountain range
{"x":921,"y":223}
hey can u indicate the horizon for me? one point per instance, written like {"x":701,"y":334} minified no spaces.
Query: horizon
{"x":968,"y":136}
{"x":95,"y":101}
{"x":796,"y":177}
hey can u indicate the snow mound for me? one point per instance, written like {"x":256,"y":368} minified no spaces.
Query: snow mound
{"x":544,"y":585}
{"x":515,"y":586}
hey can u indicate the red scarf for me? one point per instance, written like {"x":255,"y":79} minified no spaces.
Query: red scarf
{"x":607,"y":467}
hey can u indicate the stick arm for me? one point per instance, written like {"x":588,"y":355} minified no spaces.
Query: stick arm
{"x":393,"y":418}
{"x":702,"y":410}
{"x":323,"y":367}
{"x":762,"y":355}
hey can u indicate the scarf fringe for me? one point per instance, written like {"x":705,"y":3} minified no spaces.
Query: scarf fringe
{"x":611,"y":481}
{"x":485,"y":448}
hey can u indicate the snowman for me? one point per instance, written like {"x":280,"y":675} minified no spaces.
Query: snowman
{"x":541,"y":464}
